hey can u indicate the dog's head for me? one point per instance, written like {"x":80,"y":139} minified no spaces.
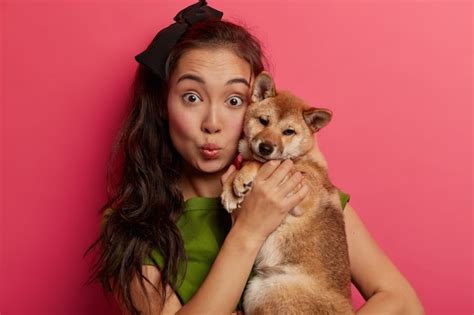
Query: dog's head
{"x":279,"y":125}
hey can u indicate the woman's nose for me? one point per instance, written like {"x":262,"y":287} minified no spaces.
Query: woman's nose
{"x":211,"y":123}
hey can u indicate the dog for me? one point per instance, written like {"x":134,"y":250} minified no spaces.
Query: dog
{"x":303,"y":266}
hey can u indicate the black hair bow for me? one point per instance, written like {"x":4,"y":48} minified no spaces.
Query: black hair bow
{"x":154,"y":57}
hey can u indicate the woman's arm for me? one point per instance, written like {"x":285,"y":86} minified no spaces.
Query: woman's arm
{"x":377,"y":278}
{"x":223,"y":286}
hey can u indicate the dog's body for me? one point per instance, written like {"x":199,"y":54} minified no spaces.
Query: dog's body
{"x":303,"y":266}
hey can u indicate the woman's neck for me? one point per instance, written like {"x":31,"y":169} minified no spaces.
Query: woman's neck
{"x":199,"y":184}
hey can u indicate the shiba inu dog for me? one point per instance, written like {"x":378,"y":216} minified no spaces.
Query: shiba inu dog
{"x":303,"y":266}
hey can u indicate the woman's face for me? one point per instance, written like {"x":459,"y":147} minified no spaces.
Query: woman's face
{"x":208,"y":94}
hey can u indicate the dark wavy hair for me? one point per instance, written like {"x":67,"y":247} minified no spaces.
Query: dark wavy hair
{"x":144,"y":200}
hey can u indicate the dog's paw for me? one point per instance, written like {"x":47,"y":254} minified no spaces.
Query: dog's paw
{"x":230,"y":201}
{"x":242,"y":185}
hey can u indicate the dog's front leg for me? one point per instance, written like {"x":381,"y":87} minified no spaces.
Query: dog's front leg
{"x":244,"y":179}
{"x":229,"y":200}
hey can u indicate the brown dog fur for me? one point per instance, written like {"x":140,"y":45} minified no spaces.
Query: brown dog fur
{"x":303,"y":266}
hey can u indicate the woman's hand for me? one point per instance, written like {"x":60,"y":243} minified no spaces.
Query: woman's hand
{"x":269,"y":201}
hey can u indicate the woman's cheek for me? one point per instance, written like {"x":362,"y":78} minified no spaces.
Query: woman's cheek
{"x":236,"y":125}
{"x":180,"y":123}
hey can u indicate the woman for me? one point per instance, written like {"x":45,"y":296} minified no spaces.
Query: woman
{"x":167,"y":246}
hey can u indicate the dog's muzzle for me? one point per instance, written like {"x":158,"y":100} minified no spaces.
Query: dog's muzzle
{"x":263,"y":151}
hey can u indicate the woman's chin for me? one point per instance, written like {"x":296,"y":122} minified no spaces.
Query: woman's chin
{"x":211,"y":166}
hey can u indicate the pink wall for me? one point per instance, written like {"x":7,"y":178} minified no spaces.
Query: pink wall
{"x":397,"y":74}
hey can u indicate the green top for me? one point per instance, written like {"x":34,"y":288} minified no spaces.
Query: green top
{"x":204,"y":225}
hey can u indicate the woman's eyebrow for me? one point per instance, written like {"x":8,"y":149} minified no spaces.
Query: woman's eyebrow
{"x":238,"y":80}
{"x":190,"y":77}
{"x":198,"y":79}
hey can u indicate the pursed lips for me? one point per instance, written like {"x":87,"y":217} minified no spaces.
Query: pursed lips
{"x":210,"y":150}
{"x":210,"y":147}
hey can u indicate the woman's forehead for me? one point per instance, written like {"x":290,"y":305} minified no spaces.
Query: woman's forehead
{"x":221,"y":64}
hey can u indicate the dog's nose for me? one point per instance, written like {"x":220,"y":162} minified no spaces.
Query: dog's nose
{"x":265,"y":148}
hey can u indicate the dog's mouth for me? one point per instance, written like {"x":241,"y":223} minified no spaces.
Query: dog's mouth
{"x":262,"y":159}
{"x":259,"y":158}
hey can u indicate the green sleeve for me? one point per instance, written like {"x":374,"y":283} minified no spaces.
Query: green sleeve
{"x":344,"y":197}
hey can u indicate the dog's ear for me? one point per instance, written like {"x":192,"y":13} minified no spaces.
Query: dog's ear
{"x":263,"y":87}
{"x":317,"y":118}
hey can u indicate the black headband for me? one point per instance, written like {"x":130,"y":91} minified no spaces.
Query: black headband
{"x":154,"y":57}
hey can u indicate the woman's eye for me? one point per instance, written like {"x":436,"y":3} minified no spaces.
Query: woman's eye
{"x":235,"y":101}
{"x":289,"y":132}
{"x":263,"y":121}
{"x":191,"y":98}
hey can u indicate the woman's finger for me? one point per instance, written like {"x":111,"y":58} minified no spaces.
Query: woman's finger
{"x":295,"y":199}
{"x":280,"y":173}
{"x":290,"y":184}
{"x":267,"y":169}
{"x":226,"y":175}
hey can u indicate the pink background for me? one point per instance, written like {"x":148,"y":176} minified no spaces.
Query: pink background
{"x":397,"y":75}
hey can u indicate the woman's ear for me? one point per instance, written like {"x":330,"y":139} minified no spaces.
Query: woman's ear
{"x":317,"y":118}
{"x":263,"y":87}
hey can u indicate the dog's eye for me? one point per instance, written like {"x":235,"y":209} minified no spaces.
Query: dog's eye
{"x":289,"y":132}
{"x":263,"y":121}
